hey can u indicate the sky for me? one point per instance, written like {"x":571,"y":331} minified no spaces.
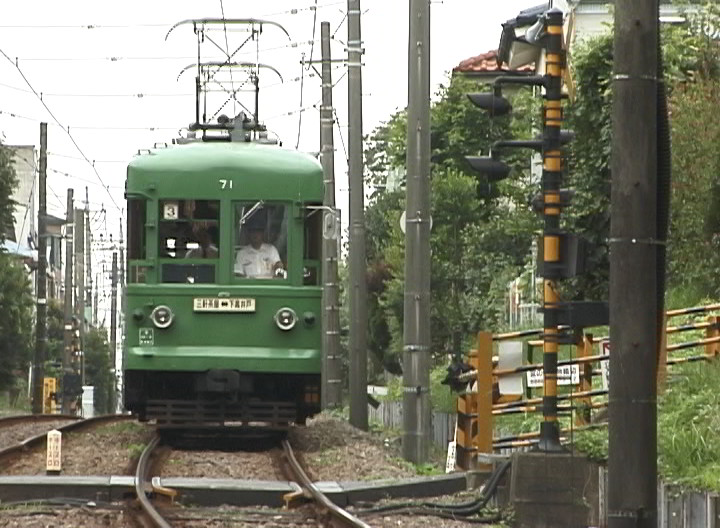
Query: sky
{"x":106,"y":80}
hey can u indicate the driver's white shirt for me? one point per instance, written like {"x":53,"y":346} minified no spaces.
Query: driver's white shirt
{"x":256,"y":263}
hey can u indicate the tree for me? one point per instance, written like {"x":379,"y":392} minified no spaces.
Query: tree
{"x":16,"y":307}
{"x":469,"y":217}
{"x":97,"y":368}
{"x":8,"y":183}
{"x":15,"y":294}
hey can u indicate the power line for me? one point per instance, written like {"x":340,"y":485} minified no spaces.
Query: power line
{"x":81,"y":127}
{"x":227,"y":54}
{"x":86,"y":27}
{"x":66,"y":131}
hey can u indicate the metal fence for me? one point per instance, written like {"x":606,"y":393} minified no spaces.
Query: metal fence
{"x":390,"y":415}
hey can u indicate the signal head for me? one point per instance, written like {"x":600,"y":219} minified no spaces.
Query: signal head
{"x":494,"y":103}
{"x":495,"y":170}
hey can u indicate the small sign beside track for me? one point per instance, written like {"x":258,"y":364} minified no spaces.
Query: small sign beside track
{"x":223,"y":304}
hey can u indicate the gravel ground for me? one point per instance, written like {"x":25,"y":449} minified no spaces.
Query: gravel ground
{"x":332,"y":449}
{"x":54,"y":516}
{"x":219,"y":464}
{"x":16,"y":433}
{"x":107,"y":451}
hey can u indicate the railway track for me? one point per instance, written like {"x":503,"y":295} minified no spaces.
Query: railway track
{"x":325,"y":511}
{"x":12,"y":451}
{"x":328,"y":512}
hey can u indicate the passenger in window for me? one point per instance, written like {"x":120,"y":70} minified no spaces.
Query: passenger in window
{"x":258,"y":260}
{"x":206,"y":249}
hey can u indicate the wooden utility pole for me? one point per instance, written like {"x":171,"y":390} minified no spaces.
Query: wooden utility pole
{"x":68,"y":334}
{"x":416,"y":326}
{"x":41,"y":282}
{"x":632,"y":464}
{"x":80,"y":284}
{"x":358,"y":263}
{"x":331,"y":373}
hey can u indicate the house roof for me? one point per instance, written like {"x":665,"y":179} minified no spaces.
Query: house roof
{"x":526,"y":17}
{"x":486,"y":64}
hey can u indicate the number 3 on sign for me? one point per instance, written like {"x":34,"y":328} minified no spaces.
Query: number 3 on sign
{"x":225,"y":184}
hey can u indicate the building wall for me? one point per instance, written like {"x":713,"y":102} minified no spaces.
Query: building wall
{"x":25,"y":195}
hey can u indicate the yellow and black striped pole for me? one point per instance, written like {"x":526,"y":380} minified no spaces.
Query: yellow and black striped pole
{"x":552,"y":267}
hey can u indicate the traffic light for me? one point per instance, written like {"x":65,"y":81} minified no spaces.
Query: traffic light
{"x":561,"y":255}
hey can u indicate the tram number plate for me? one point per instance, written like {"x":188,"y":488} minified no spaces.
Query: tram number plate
{"x":223,"y":304}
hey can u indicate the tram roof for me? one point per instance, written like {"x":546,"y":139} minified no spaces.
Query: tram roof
{"x":245,"y":163}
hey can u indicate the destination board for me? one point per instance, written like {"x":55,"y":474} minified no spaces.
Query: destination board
{"x":223,"y":304}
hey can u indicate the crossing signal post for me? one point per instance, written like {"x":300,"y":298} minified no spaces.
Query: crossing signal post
{"x":561,"y":255}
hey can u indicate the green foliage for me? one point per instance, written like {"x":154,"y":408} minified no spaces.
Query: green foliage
{"x":695,"y":221}
{"x":55,"y":330}
{"x":16,"y":321}
{"x":593,"y":442}
{"x":479,"y":241}
{"x":689,"y":427}
{"x":589,"y":163}
{"x":97,"y":368}
{"x":8,"y":183}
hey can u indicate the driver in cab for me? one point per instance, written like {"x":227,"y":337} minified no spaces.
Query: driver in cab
{"x":258,"y":259}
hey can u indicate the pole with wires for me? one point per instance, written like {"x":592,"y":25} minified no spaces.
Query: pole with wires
{"x":416,"y":325}
{"x":632,"y":462}
{"x":358,"y":284}
{"x":331,"y":373}
{"x":88,"y":256}
{"x":41,"y":281}
{"x":80,"y":285}
{"x":113,"y":327}
{"x":68,"y":334}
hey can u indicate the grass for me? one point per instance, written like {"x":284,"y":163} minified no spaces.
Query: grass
{"x":688,"y":429}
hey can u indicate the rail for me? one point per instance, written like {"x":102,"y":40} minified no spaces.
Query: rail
{"x":340,"y":516}
{"x":142,"y":484}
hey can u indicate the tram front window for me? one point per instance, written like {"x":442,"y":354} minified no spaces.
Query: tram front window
{"x":189,"y":233}
{"x":260,"y":240}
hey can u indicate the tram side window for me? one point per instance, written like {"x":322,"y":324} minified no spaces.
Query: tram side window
{"x":137,"y":209}
{"x":189,"y":230}
{"x":261,"y":240}
{"x":312,"y":245}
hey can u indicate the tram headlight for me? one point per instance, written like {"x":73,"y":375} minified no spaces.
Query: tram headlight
{"x":162,"y":316}
{"x":285,"y":318}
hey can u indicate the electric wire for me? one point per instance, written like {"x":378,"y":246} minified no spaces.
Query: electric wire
{"x":293,"y":11}
{"x":227,"y":53}
{"x":66,"y":131}
{"x":302,"y":84}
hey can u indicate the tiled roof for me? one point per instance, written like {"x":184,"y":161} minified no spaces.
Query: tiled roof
{"x":486,"y":63}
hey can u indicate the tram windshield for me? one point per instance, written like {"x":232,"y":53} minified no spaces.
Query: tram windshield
{"x":189,"y":232}
{"x":261,"y":241}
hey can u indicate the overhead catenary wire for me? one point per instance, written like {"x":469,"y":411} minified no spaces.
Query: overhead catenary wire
{"x":293,"y":11}
{"x":72,"y":139}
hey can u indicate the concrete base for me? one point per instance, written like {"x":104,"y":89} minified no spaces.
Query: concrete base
{"x":552,"y":490}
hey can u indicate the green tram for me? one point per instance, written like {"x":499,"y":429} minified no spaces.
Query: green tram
{"x":223,"y":297}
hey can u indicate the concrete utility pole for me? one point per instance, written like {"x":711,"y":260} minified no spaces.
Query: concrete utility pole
{"x":68,"y":334}
{"x":41,"y":282}
{"x":416,"y":327}
{"x":331,"y":373}
{"x":121,"y":285}
{"x":88,"y":257}
{"x":80,"y":284}
{"x":113,"y":325}
{"x":358,"y":265}
{"x":632,"y":495}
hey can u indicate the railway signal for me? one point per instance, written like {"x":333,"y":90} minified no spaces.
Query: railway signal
{"x":561,"y":254}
